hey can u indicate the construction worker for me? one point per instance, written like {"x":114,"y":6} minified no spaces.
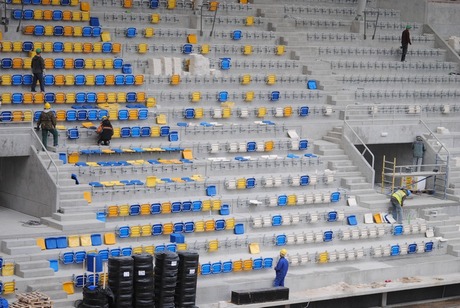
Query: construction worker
{"x":418,"y":149}
{"x":47,"y":122}
{"x":281,"y":269}
{"x":397,"y":201}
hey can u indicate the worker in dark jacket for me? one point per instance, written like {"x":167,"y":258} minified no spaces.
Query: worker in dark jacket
{"x":405,"y":42}
{"x":397,"y":200}
{"x":47,"y":122}
{"x":105,"y":131}
{"x":418,"y":149}
{"x":281,"y":269}
{"x":38,"y":70}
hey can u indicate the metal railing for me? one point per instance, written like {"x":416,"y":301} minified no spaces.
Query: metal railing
{"x":11,"y":128}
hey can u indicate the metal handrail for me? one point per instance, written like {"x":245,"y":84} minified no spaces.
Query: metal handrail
{"x":30,"y":127}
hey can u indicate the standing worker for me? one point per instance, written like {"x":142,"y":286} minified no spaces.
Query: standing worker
{"x":281,"y":269}
{"x":405,"y":42}
{"x":47,"y":122}
{"x":38,"y":70}
{"x":397,"y":200}
{"x":418,"y":149}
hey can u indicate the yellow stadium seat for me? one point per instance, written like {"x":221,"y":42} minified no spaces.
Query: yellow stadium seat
{"x":135,"y":231}
{"x":116,"y":132}
{"x":27,"y":30}
{"x":73,"y":241}
{"x":28,"y":98}
{"x":166,"y":208}
{"x":8,"y":269}
{"x":85,"y":16}
{"x":247,"y":265}
{"x":145,"y":209}
{"x":243,"y":1}
{"x":241,"y":183}
{"x":292,"y":199}
{"x":89,"y":63}
{"x":142,"y":48}
{"x":213,"y":5}
{"x":17,"y":46}
{"x":39,"y":98}
{"x":6,"y":80}
{"x":9,"y":287}
{"x":226,"y":112}
{"x":151,"y":102}
{"x":261,"y":112}
{"x":269,"y":145}
{"x":110,"y":238}
{"x":27,"y":63}
{"x":155,"y":131}
{"x":141,"y":97}
{"x":123,"y":210}
{"x":171,"y":4}
{"x":192,"y":39}
{"x":113,"y":114}
{"x":77,"y":47}
{"x":68,"y":287}
{"x":205,"y":49}
{"x":111,"y":97}
{"x":59,"y":80}
{"x":139,"y":80}
{"x":72,"y":2}
{"x":175,"y":79}
{"x":155,"y":18}
{"x":84,"y":6}
{"x":103,"y":63}
{"x":161,"y":119}
{"x":168,"y":228}
{"x":47,"y":47}
{"x":209,"y":225}
{"x":68,"y":31}
{"x":138,"y":250}
{"x":247,"y":49}
{"x":105,"y":36}
{"x":66,"y":15}
{"x":280,"y":49}
{"x":49,"y":63}
{"x":85,"y":240}
{"x":68,"y":47}
{"x":6,"y":98}
{"x":323,"y":257}
{"x":121,"y":97}
{"x":49,"y":31}
{"x":213,"y":245}
{"x":109,"y":80}
{"x":127,"y":3}
{"x":68,"y":63}
{"x":230,"y":223}
{"x":101,"y":97}
{"x":116,"y":48}
{"x":60,"y":97}
{"x":146,"y":230}
{"x":249,"y":96}
{"x":270,"y":79}
{"x":7,"y":46}
{"x":47,"y":15}
{"x":149,"y":32}
{"x":90,"y":80}
{"x":97,"y":47}
{"x":38,"y":14}
{"x":69,"y":80}
{"x":246,"y":79}
{"x":238,"y":265}
{"x":216,"y":205}
{"x":199,"y":226}
{"x":150,"y":249}
{"x":55,"y":2}
{"x":249,"y":21}
{"x":112,"y":211}
{"x":287,"y":111}
{"x":182,"y":247}
{"x":17,"y":116}
{"x":78,"y":31}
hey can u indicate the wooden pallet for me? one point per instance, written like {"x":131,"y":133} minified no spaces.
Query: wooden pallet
{"x":32,"y":300}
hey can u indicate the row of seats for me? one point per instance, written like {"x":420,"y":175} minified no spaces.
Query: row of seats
{"x":401,"y":79}
{"x":235,"y":266}
{"x":97,"y":114}
{"x":179,"y":227}
{"x":77,"y":31}
{"x":134,"y":132}
{"x":58,"y":47}
{"x":79,"y":98}
{"x":371,"y":51}
{"x":74,"y":80}
{"x":167,"y":208}
{"x":248,"y":183}
{"x":392,"y":65}
{"x":402,"y":249}
{"x":243,"y":112}
{"x":72,"y":241}
{"x":151,"y":181}
{"x":47,"y":2}
{"x":315,"y":197}
{"x":398,"y":94}
{"x":54,"y":15}
{"x":60,"y":63}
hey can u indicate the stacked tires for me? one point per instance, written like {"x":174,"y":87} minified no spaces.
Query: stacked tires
{"x":165,"y":278}
{"x":143,"y":281}
{"x":94,"y":297}
{"x":187,"y":275}
{"x":121,"y":281}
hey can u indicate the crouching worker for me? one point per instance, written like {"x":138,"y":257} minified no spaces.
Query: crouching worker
{"x":105,"y":132}
{"x":397,"y":200}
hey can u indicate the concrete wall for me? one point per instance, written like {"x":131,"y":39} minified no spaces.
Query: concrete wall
{"x":26,"y":186}
{"x":411,"y":10}
{"x":19,"y":145}
{"x":444,"y":18}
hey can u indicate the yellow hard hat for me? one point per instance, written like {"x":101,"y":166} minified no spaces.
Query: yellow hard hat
{"x":104,"y":118}
{"x":47,"y":106}
{"x":283,"y":252}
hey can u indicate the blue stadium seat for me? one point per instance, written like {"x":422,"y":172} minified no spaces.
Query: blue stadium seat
{"x":412,"y":248}
{"x":67,"y":257}
{"x":206,"y":269}
{"x":51,"y":243}
{"x":277,"y":220}
{"x":61,"y":242}
{"x":154,"y":4}
{"x":335,"y":196}
{"x":275,"y":96}
{"x":164,"y":131}
{"x":59,"y":63}
{"x":187,"y":49}
{"x":96,"y":239}
{"x":92,"y":115}
{"x":176,"y":207}
{"x":71,"y":115}
{"x":268,"y":262}
{"x":155,"y":208}
{"x":80,"y":98}
{"x":27,"y":46}
{"x":216,"y":267}
{"x":39,"y":30}
{"x":257,"y":263}
{"x":27,"y":79}
{"x":65,"y":2}
{"x":173,"y":136}
{"x":129,"y":80}
{"x":135,"y":131}
{"x":189,"y":227}
{"x":395,"y":250}
{"x":17,"y":98}
{"x":331,"y":216}
{"x":303,"y":144}
{"x":7,"y":116}
{"x":126,"y":251}
{"x":352,"y":221}
{"x":123,"y":232}
{"x":36,"y":115}
{"x":250,"y":183}
{"x":50,"y":98}
{"x":73,"y":133}
{"x":197,"y":206}
{"x":80,"y":80}
{"x":239,"y":229}
{"x":49,"y":80}
{"x":219,"y":225}
{"x":429,"y":246}
{"x":222,"y":96}
{"x":57,"y":15}
{"x":91,"y":97}
{"x":398,"y":230}
{"x":171,"y":247}
{"x":86,"y":31}
{"x":312,"y":85}
{"x":186,"y":206}
{"x":282,"y":200}
{"x":146,"y":131}
{"x":96,"y":31}
{"x":80,"y":256}
{"x":79,"y":63}
{"x":131,"y":32}
{"x":117,"y":63}
{"x":16,"y":14}
{"x":123,"y":114}
{"x":94,"y":22}
{"x":157,"y":229}
{"x":236,"y":35}
{"x":119,"y":80}
{"x":125,"y":132}
{"x":58,"y":47}
{"x":28,"y":14}
{"x":82,"y":115}
{"x":7,"y":63}
{"x":106,"y":47}
{"x":102,"y":113}
{"x":58,"y":31}
{"x":211,"y":190}
{"x":134,"y":210}
{"x":281,"y":240}
{"x":251,"y":146}
{"x":100,"y":80}
{"x":225,"y":63}
{"x":16,"y":80}
{"x":104,"y":254}
{"x":304,"y":180}
{"x":327,"y":236}
{"x":227,"y":267}
{"x":143,"y":114}
{"x":131,"y":97}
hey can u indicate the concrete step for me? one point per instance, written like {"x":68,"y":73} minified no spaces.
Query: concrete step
{"x":8,"y":243}
{"x":353,"y":186}
{"x":19,"y":246}
{"x":352,"y":179}
{"x":53,"y":290}
{"x":74,"y":226}
{"x":340,"y":168}
{"x":339,"y":163}
{"x":334,"y":134}
{"x":332,"y":139}
{"x":450,"y":234}
{"x":73,"y":217}
{"x":73,"y":202}
{"x":35,"y":273}
{"x":330,"y":152}
{"x":27,"y":265}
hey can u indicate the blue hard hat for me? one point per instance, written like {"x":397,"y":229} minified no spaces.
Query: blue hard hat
{"x":408,"y":192}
